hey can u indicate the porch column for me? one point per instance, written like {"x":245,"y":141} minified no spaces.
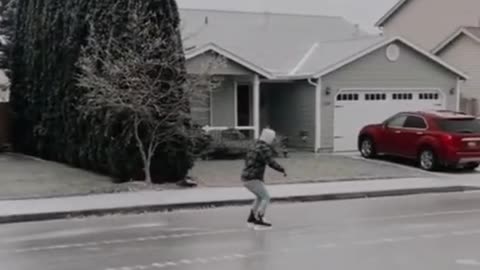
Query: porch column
{"x":256,"y":106}
{"x":318,"y":115}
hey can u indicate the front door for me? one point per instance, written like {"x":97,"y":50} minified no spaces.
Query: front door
{"x":244,"y":105}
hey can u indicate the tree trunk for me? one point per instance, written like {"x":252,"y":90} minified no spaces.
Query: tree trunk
{"x":148,"y":173}
{"x":145,"y":159}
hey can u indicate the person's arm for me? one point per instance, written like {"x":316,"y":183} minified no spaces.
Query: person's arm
{"x":267,"y":155}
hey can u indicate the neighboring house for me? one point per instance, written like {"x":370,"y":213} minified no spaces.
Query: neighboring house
{"x":429,"y":22}
{"x":314,"y":77}
{"x":462,"y":49}
{"x":448,"y":29}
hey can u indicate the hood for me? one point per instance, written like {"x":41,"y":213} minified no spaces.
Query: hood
{"x":267,"y":136}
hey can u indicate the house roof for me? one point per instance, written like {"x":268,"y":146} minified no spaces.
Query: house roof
{"x":284,"y":47}
{"x":212,"y":47}
{"x":330,"y":53}
{"x":275,"y":42}
{"x":390,"y":13}
{"x":471,"y":32}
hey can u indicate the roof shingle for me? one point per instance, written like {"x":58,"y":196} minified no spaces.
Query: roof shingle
{"x":276,"y":42}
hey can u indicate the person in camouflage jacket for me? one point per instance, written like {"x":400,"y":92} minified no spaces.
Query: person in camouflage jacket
{"x":256,"y":161}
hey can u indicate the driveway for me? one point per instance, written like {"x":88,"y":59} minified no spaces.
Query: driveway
{"x":305,"y":167}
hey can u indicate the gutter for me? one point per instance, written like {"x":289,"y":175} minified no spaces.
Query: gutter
{"x":311,"y":82}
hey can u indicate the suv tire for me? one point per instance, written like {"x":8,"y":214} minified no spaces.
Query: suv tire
{"x":367,"y":147}
{"x":427,"y":159}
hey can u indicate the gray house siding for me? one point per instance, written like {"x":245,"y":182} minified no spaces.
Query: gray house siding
{"x":217,"y":107}
{"x":223,"y":104}
{"x":411,"y":70}
{"x":465,"y":54}
{"x":200,"y":106}
{"x":291,"y":110}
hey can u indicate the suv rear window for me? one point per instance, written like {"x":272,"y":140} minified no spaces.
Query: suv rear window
{"x":465,"y":125}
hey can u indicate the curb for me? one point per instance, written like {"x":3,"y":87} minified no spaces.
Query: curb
{"x":224,"y":203}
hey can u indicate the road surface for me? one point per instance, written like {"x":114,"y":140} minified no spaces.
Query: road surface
{"x":414,"y":232}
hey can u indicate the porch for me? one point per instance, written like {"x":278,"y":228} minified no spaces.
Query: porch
{"x":249,"y":104}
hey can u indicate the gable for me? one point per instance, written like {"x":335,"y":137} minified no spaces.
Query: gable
{"x":398,"y":40}
{"x":464,"y":52}
{"x":462,"y":35}
{"x":429,"y":22}
{"x":205,"y":62}
{"x":410,"y":65}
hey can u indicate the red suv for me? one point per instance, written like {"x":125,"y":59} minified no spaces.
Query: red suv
{"x":434,"y":139}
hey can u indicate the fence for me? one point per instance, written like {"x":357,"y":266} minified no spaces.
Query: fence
{"x":5,"y":125}
{"x":469,"y":106}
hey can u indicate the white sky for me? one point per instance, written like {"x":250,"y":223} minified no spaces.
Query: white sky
{"x":363,"y":12}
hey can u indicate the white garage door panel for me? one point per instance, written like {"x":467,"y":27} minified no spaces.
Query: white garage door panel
{"x":355,"y":109}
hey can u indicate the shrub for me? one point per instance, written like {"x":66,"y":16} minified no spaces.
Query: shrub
{"x":232,"y":144}
{"x":201,"y":141}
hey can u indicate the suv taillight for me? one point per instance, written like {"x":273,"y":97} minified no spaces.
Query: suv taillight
{"x":451,"y":140}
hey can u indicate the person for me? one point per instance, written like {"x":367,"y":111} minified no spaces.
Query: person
{"x":253,"y":174}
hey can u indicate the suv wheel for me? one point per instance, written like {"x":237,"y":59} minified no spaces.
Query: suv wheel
{"x":367,"y":148}
{"x":427,"y":159}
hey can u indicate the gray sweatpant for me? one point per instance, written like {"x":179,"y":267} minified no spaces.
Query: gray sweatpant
{"x":257,"y":187}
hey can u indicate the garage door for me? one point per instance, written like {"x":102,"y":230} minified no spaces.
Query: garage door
{"x":355,"y":109}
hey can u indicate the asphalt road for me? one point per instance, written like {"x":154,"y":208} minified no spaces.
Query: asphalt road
{"x":415,"y":232}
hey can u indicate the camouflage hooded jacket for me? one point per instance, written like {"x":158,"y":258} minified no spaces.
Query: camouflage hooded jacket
{"x":256,"y":161}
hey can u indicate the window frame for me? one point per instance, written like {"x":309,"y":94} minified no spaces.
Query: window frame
{"x":391,"y":119}
{"x":414,"y":128}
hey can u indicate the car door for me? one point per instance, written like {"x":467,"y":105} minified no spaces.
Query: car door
{"x":413,"y":130}
{"x":391,"y":131}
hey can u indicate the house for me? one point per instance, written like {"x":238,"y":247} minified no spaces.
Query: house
{"x":426,"y":23}
{"x":462,"y":49}
{"x":449,"y":29}
{"x":315,"y":79}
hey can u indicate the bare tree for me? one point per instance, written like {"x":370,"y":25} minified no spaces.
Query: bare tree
{"x":127,"y":75}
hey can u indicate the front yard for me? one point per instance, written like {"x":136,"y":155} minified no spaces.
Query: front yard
{"x":26,"y":177}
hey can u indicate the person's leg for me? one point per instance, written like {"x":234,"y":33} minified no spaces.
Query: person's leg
{"x":251,"y":186}
{"x":264,"y":199}
{"x":258,"y":188}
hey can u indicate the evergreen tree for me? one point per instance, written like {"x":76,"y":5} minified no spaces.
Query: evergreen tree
{"x":7,"y":32}
{"x":48,"y":43}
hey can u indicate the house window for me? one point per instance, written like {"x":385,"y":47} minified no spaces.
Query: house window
{"x":347,"y":97}
{"x":429,"y":96}
{"x":244,"y":105}
{"x":375,"y":97}
{"x":402,"y":96}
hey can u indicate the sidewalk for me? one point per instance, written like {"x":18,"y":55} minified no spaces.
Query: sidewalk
{"x":135,"y":202}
